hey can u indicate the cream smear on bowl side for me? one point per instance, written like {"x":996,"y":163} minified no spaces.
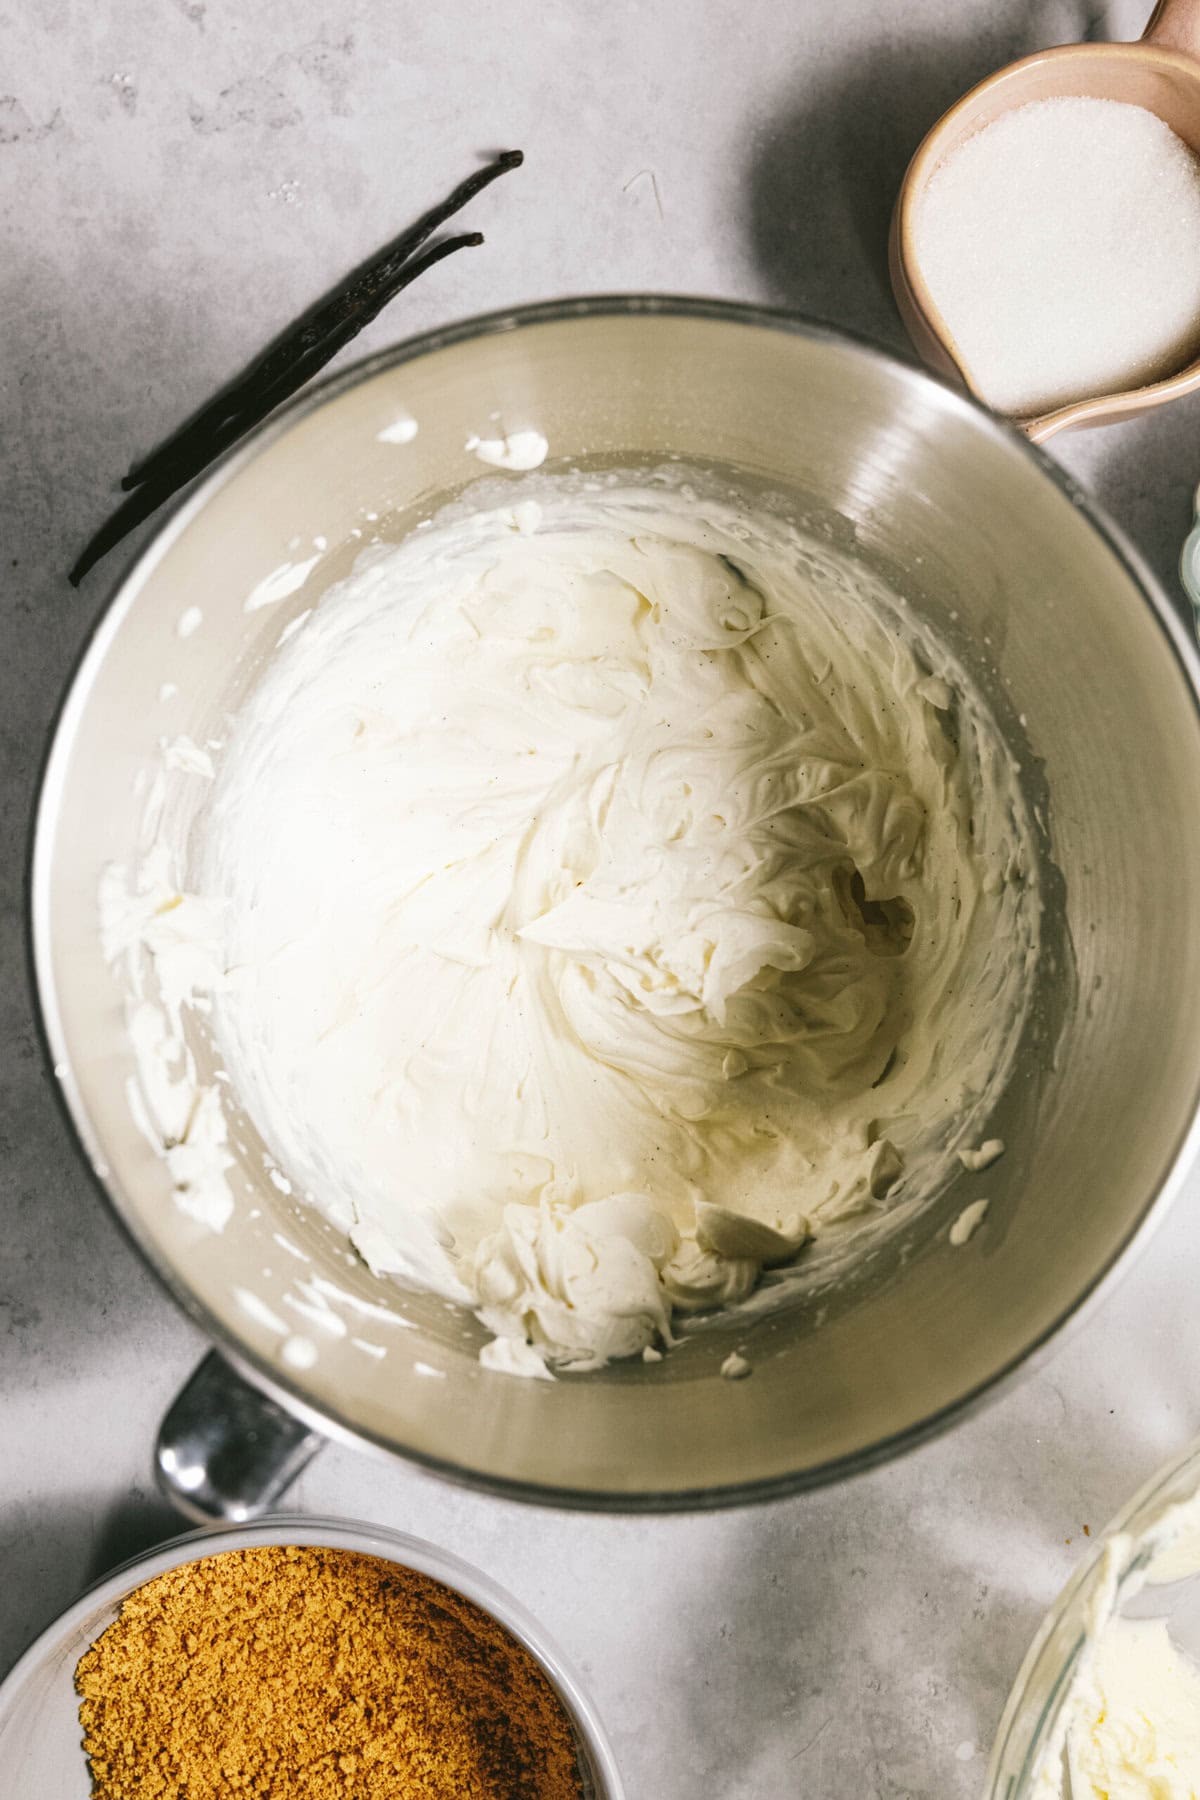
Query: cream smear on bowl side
{"x":599,"y":899}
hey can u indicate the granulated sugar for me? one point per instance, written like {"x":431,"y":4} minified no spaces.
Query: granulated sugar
{"x":1061,"y":245}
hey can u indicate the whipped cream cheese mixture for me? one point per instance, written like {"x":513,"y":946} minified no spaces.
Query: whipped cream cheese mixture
{"x":1139,"y":1739}
{"x":599,"y":898}
{"x":1129,"y":1724}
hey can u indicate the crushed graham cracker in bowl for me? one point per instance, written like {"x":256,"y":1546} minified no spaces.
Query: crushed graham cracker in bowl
{"x":308,"y":1673}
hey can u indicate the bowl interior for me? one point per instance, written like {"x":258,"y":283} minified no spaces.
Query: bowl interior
{"x":1091,"y":686}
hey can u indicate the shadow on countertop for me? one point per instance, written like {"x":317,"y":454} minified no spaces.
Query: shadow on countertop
{"x":816,"y":1618}
{"x":69,"y":1545}
{"x":822,"y":183}
{"x":134,"y":1524}
{"x":1144,"y":473}
{"x":825,"y":175}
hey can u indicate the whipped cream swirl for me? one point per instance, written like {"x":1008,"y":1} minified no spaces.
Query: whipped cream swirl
{"x":616,"y":892}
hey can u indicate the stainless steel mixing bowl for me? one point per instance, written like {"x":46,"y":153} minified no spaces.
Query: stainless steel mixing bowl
{"x":1090,"y":675}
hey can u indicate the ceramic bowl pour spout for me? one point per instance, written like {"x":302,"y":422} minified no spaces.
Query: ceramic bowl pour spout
{"x":1159,"y":73}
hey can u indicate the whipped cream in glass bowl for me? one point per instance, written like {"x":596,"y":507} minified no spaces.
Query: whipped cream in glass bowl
{"x":1107,"y":1702}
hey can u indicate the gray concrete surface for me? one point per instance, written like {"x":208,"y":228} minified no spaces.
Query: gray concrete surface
{"x":176,"y":178}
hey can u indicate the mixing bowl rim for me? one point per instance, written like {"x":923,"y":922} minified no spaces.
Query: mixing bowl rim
{"x":257,"y":1369}
{"x":331,"y":1531}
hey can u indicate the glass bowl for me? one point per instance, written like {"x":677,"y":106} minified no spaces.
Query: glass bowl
{"x":41,"y":1750}
{"x":1137,"y":1558}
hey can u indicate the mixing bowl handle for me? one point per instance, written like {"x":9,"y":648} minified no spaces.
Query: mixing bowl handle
{"x":226,"y":1450}
{"x":1175,"y":24}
